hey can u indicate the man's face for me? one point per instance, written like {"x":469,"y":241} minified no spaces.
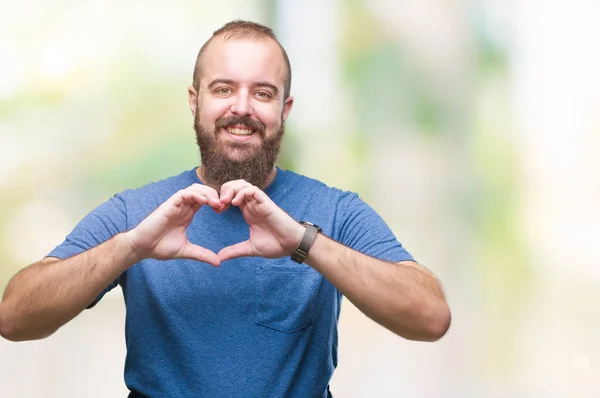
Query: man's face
{"x":239,"y":109}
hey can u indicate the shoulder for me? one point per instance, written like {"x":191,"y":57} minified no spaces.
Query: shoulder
{"x":302,"y":192}
{"x":295,"y":181}
{"x":161,"y":189}
{"x":139,"y":202}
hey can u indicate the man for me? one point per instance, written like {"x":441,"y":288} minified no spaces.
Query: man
{"x":230,"y":287}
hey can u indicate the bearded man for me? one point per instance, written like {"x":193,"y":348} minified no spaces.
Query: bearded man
{"x":232,"y":272}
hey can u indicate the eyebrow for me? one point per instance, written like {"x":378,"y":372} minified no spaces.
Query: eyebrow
{"x":254,"y":84}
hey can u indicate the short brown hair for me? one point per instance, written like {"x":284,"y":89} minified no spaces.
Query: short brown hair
{"x":245,"y":30}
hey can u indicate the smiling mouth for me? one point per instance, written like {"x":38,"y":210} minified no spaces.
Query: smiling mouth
{"x":239,"y":131}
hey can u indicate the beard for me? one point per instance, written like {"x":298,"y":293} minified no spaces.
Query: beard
{"x":227,"y":161}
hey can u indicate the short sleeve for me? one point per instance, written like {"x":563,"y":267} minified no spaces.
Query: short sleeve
{"x":362,"y":229}
{"x":101,"y":224}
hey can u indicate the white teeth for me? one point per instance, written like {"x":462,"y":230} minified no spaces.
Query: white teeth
{"x":239,"y":131}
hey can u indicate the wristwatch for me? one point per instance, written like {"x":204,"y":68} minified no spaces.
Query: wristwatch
{"x":299,"y":255}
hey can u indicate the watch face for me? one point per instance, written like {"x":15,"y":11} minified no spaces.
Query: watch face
{"x":305,"y":223}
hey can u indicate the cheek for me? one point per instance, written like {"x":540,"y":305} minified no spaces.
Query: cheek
{"x":270,"y":116}
{"x":210,"y":111}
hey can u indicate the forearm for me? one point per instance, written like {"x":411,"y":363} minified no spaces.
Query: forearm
{"x":403,"y":297}
{"x":46,"y":295}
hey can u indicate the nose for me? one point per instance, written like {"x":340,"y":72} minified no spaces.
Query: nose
{"x":241,"y":105}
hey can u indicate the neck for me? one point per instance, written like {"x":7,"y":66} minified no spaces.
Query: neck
{"x":200,"y":172}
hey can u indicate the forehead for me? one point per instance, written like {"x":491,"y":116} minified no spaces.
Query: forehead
{"x":243,"y":60}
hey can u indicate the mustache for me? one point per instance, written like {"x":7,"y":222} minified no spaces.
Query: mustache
{"x":246,"y":121}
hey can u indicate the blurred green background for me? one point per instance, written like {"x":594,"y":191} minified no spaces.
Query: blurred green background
{"x":470,"y":126}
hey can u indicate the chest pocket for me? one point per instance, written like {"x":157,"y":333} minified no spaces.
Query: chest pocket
{"x":286,"y":295}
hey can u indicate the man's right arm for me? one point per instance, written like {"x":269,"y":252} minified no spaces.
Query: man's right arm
{"x":47,"y":294}
{"x":44,"y":296}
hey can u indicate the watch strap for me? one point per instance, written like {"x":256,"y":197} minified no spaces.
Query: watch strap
{"x":310,"y":234}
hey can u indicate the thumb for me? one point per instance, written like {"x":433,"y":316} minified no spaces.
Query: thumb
{"x":199,"y":253}
{"x":242,"y":249}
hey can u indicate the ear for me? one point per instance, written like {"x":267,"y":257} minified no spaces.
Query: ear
{"x":287,"y":107}
{"x":193,"y":99}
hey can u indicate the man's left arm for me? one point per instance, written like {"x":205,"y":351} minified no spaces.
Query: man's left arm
{"x":404,"y":297}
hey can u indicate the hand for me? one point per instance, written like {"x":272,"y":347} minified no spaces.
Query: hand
{"x":273,"y":233}
{"x":162,"y":235}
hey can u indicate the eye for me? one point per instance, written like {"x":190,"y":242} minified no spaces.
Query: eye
{"x":223,"y":91}
{"x":263,"y":95}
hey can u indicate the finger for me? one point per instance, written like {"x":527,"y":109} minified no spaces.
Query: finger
{"x":205,"y":188}
{"x":196,"y":206}
{"x":208,"y":192}
{"x":233,"y":183}
{"x":244,"y":194}
{"x":176,"y":199}
{"x":242,"y":249}
{"x":193,"y":198}
{"x":230,"y":189}
{"x":199,"y":253}
{"x":227,"y":193}
{"x":183,"y":199}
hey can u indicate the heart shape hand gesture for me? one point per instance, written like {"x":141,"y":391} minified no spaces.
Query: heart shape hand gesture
{"x":162,"y":235}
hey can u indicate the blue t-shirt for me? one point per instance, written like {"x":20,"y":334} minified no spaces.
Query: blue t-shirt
{"x":253,"y":327}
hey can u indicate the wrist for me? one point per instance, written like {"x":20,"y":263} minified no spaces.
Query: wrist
{"x":134,"y":253}
{"x":299,"y":230}
{"x":308,"y":239}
